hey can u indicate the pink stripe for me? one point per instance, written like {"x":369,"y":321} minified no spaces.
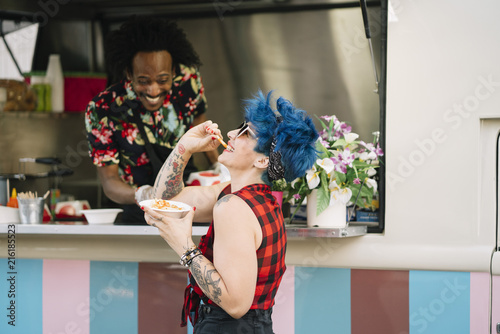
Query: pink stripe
{"x":66,"y":291}
{"x":284,"y":307}
{"x":479,"y":300}
{"x":495,"y":307}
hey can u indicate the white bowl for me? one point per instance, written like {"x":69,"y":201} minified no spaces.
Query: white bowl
{"x":175,"y":213}
{"x":101,"y":216}
{"x":9,"y":215}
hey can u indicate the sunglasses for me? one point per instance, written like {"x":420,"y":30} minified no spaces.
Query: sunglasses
{"x":244,"y":127}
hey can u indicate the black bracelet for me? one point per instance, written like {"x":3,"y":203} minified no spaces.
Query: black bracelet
{"x":189,"y":255}
{"x":188,"y":263}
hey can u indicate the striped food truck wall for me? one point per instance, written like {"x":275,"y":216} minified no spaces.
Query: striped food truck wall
{"x":97,"y":297}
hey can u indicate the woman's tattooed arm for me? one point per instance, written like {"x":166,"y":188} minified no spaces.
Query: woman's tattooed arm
{"x":207,"y":277}
{"x":170,"y":175}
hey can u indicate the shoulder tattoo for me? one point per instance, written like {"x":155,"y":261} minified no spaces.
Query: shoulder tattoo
{"x":224,"y":199}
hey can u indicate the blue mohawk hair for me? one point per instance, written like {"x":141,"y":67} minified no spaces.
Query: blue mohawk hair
{"x":295,"y":134}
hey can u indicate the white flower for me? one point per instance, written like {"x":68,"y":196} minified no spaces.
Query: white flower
{"x":350,"y":137}
{"x":294,"y":182}
{"x":327,"y":164}
{"x":337,"y":194}
{"x":371,"y":172}
{"x":372,"y":184}
{"x":340,"y":195}
{"x":312,"y":177}
{"x":368,"y":155}
{"x":333,"y":184}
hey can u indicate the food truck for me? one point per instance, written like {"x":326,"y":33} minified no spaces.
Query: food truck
{"x":431,"y":86}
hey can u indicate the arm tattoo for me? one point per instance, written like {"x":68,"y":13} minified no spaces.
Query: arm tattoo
{"x":173,"y":169}
{"x":224,"y":199}
{"x":204,"y":276}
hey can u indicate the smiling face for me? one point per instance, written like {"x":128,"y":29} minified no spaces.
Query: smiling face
{"x":242,"y":141}
{"x":152,"y":75}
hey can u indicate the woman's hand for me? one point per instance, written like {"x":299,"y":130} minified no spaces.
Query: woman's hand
{"x":177,"y":232}
{"x":201,"y":138}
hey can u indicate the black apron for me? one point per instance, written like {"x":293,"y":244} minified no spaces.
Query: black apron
{"x":157,"y":154}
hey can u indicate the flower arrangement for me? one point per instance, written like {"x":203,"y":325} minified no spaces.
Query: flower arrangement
{"x":279,"y":185}
{"x":344,"y":171}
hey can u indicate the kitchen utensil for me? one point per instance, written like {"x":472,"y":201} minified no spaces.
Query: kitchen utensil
{"x":45,"y":160}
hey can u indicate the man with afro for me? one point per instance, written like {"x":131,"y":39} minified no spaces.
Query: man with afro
{"x":156,"y":96}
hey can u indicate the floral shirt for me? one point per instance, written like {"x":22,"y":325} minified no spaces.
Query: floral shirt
{"x":114,"y":137}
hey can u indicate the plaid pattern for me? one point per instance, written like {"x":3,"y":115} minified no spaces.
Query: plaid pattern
{"x":270,"y":255}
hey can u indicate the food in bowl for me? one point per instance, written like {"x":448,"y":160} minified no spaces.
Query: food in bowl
{"x":173,"y":208}
{"x":101,"y":216}
{"x":164,"y":205}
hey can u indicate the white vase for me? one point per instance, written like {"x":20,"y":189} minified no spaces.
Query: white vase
{"x":333,"y":216}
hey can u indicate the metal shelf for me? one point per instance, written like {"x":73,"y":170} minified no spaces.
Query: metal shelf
{"x":302,"y":231}
{"x":41,"y":114}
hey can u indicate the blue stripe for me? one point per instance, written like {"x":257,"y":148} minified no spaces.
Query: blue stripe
{"x":25,"y":294}
{"x":439,"y":302}
{"x":113,"y":297}
{"x":322,"y":300}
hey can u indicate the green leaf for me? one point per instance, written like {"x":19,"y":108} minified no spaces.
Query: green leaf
{"x":366,"y":195}
{"x":351,"y":174}
{"x":322,"y":200}
{"x":340,"y":142}
{"x":323,"y":124}
{"x":299,"y":204}
{"x":321,"y":149}
{"x":341,"y":177}
{"x":361,"y":164}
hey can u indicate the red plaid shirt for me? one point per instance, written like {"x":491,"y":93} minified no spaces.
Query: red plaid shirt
{"x":270,"y":255}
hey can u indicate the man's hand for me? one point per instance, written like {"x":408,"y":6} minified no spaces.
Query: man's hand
{"x":143,"y":193}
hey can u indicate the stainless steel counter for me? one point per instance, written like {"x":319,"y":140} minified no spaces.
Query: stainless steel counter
{"x":80,"y":229}
{"x":295,"y":230}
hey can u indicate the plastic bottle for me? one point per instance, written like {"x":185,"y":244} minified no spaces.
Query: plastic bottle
{"x":38,"y":84}
{"x":55,"y":78}
{"x":13,"y":199}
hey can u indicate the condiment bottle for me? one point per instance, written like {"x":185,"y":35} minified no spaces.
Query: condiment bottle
{"x":13,"y":199}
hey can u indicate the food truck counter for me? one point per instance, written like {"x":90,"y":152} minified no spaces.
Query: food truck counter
{"x":347,"y":247}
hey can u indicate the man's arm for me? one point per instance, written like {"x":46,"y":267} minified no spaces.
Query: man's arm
{"x":114,"y":187}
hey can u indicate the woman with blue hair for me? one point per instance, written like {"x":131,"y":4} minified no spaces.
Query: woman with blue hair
{"x":236,"y":269}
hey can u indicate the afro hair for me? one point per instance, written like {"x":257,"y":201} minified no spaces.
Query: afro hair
{"x":146,"y":34}
{"x":295,"y":134}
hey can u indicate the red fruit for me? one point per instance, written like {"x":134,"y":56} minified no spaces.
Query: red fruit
{"x":67,"y":210}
